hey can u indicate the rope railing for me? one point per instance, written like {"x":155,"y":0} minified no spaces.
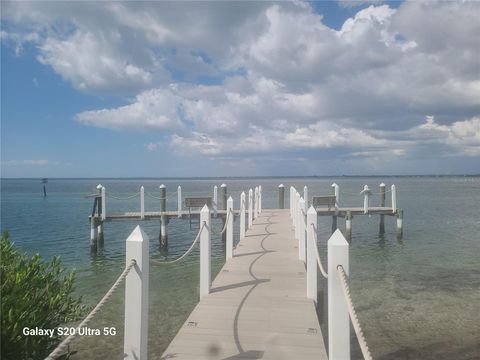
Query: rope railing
{"x":60,"y":349}
{"x":157,"y":262}
{"x":171,"y":195}
{"x":123,"y":198}
{"x":224,"y":226}
{"x":317,"y":255}
{"x":353,"y":315}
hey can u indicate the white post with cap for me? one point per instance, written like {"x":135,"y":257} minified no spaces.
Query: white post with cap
{"x":311,"y":254}
{"x":229,"y":242}
{"x":205,"y":269}
{"x":338,"y":318}
{"x":136,"y":297}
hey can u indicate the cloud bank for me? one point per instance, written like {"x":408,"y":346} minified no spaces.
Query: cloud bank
{"x":270,"y":79}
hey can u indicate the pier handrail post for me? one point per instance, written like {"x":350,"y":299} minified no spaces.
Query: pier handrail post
{"x":104,"y":205}
{"x":290,"y":202}
{"x":297,"y":216}
{"x":336,"y":192}
{"x":250,"y":208}
{"x":259,"y":199}
{"x":205,"y":270}
{"x":394,"y":199}
{"x":311,"y":255}
{"x":215,"y":200}
{"x":366,"y":198}
{"x":305,"y":195}
{"x":281,"y":197}
{"x":301,"y":238}
{"x":136,"y":297}
{"x":242,"y":215}
{"x":142,"y":202}
{"x":255,"y":203}
{"x":338,"y":317}
{"x":179,"y":201}
{"x":229,"y":244}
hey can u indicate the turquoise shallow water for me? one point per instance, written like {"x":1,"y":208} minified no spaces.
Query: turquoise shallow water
{"x":417,"y":298}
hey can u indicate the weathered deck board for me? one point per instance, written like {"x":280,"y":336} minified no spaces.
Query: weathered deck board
{"x":258,"y":306}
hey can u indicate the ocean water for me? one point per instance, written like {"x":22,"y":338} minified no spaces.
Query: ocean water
{"x":416,"y":298}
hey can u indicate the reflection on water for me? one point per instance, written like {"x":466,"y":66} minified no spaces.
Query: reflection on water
{"x":416,"y":298}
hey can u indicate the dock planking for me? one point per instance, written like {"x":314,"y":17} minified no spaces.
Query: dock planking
{"x":256,"y":308}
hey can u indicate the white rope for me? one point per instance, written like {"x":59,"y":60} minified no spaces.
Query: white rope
{"x":319,"y":262}
{"x":224,"y":226}
{"x":353,"y":314}
{"x":156,"y":262}
{"x":59,"y":350}
{"x":123,"y":198}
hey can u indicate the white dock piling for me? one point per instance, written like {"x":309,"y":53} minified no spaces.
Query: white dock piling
{"x":136,"y":297}
{"x":205,"y":270}
{"x":338,"y":318}
{"x":311,"y":255}
{"x":242,"y":215}
{"x":229,"y":244}
{"x":394,"y":199}
{"x":348,"y":224}
{"x":215,"y":201}
{"x":142,"y":202}
{"x":336,"y":192}
{"x":163,"y":219}
{"x":305,"y":195}
{"x":366,"y":196}
{"x":250,"y":208}
{"x":104,"y":205}
{"x":301,"y":223}
{"x":179,"y":201}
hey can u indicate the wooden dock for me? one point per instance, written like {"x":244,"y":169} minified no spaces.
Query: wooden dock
{"x":257,"y":307}
{"x":151,"y":215}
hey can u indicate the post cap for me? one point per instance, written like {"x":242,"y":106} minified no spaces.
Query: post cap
{"x":393,"y":186}
{"x":215,"y":187}
{"x":337,"y":238}
{"x":334,"y":184}
{"x":223,"y":185}
{"x":162,"y":186}
{"x":205,"y":209}
{"x":142,"y":188}
{"x":311,"y":210}
{"x":281,"y":185}
{"x":99,"y":187}
{"x":179,"y":187}
{"x":382,"y":185}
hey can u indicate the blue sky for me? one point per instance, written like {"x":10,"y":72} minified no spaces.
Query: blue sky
{"x":238,"y":89}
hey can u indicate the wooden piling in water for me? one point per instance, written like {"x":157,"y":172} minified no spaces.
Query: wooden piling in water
{"x":100,"y":214}
{"x":381,"y":229}
{"x":348,"y":224}
{"x":281,"y":196}
{"x":163,"y":236}
{"x":335,"y":217}
{"x":399,"y":224}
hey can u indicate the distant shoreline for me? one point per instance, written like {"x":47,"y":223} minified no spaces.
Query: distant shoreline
{"x":246,"y":177}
